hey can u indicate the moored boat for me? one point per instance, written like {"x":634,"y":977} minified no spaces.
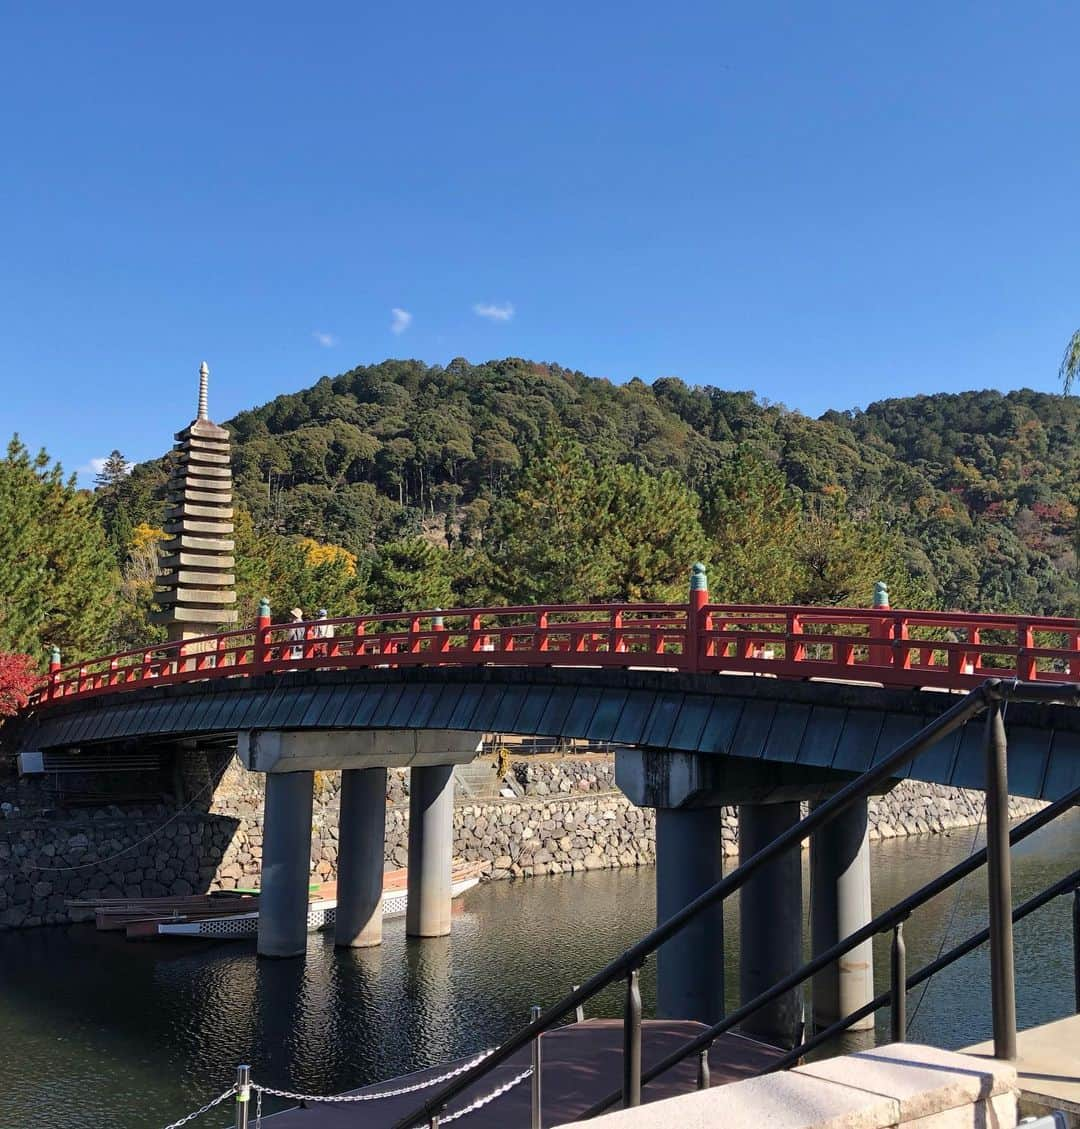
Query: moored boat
{"x":322,"y":913}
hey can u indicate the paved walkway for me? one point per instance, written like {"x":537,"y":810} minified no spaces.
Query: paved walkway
{"x":582,"y":1062}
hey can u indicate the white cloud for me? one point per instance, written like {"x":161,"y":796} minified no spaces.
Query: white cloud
{"x":96,"y":466}
{"x":326,"y":340}
{"x":493,"y":312}
{"x":401,"y":320}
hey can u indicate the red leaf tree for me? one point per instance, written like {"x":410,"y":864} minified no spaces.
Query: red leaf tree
{"x":19,"y":678}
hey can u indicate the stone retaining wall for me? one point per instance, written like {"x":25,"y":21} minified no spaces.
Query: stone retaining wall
{"x":564,"y":815}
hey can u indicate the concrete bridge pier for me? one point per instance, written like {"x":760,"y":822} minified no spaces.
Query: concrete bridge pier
{"x":431,"y":848}
{"x":289,"y":757}
{"x":770,"y":922}
{"x":361,"y":842}
{"x":840,"y":904}
{"x":283,"y":902}
{"x":690,"y":967}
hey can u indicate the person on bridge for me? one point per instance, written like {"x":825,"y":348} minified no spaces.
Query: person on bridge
{"x":296,"y":634}
{"x":324,"y":631}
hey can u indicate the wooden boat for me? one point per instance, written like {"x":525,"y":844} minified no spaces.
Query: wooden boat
{"x":322,"y":910}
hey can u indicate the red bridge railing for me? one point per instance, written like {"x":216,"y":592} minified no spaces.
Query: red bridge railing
{"x":881,"y":645}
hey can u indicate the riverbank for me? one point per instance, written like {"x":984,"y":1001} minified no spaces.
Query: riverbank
{"x":562,"y":815}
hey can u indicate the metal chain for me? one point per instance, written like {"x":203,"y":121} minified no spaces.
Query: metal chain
{"x":496,"y":1093}
{"x":373,"y":1097}
{"x":205,"y":1109}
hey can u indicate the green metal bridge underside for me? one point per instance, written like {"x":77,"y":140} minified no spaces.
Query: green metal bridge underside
{"x":835,"y":728}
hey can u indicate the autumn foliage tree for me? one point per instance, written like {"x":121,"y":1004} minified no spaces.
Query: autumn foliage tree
{"x":18,"y":680}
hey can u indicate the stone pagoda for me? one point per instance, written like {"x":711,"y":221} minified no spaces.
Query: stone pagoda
{"x":196,"y":585}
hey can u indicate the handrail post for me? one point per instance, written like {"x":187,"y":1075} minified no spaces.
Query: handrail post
{"x":243,"y":1095}
{"x":54,"y":673}
{"x":999,"y":879}
{"x":631,"y":1087}
{"x":703,"y":1079}
{"x":898,"y":985}
{"x":262,"y":636}
{"x":699,"y":597}
{"x":1076,"y":946}
{"x":537,"y":1068}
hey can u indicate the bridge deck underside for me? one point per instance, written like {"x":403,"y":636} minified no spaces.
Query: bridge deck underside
{"x":837,"y":728}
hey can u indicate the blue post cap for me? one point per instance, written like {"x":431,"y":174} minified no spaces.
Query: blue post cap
{"x":264,"y":608}
{"x":699,"y":582}
{"x":54,"y":656}
{"x":881,"y":594}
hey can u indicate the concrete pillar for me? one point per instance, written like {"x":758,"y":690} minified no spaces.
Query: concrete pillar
{"x":840,"y":904}
{"x":770,"y":923}
{"x":286,"y":868}
{"x":361,"y":840}
{"x":431,"y":848}
{"x":690,"y":967}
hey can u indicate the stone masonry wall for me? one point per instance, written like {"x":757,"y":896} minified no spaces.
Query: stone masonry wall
{"x":563,"y":815}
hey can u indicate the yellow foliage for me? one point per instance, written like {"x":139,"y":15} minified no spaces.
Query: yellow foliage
{"x":146,"y":536}
{"x":316,"y":554}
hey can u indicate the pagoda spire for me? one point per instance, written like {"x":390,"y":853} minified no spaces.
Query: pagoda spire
{"x":204,"y":380}
{"x":196,"y":583}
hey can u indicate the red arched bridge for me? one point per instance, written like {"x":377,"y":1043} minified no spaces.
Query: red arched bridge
{"x":890,"y":647}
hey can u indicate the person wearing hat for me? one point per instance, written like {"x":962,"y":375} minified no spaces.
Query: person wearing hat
{"x":296,"y":634}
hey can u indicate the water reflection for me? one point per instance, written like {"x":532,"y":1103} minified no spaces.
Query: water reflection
{"x":108,"y":1033}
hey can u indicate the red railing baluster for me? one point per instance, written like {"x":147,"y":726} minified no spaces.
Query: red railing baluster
{"x":1026,"y":665}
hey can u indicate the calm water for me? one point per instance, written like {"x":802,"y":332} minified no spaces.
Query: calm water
{"x":95,"y":1031}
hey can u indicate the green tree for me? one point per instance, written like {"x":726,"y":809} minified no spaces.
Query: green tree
{"x":839,"y":558}
{"x":410,"y":575}
{"x":574,"y":531}
{"x":57,"y":577}
{"x":112,"y":490}
{"x":751,"y":520}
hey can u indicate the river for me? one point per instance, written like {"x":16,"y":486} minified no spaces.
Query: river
{"x":96,"y":1031}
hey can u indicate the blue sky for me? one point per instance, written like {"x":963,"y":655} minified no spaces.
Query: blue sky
{"x":826,"y":203}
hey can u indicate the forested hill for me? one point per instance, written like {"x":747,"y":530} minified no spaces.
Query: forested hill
{"x":975,"y":493}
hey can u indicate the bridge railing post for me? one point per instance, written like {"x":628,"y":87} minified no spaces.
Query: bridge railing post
{"x":695,"y":617}
{"x":537,"y":1115}
{"x":1026,"y":664}
{"x":442,"y":641}
{"x":898,"y":985}
{"x":881,"y":653}
{"x":261,"y":651}
{"x":53,"y":687}
{"x":631,"y":1089}
{"x":1076,"y":946}
{"x":999,"y":881}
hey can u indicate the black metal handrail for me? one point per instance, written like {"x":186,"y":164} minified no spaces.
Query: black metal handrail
{"x":884,"y":921}
{"x":988,"y":696}
{"x":1069,"y":884}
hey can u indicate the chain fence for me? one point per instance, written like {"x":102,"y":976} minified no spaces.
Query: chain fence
{"x":242,"y":1092}
{"x":203,"y":1109}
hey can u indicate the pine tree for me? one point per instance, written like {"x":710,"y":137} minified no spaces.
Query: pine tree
{"x":57,"y":577}
{"x":112,"y":490}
